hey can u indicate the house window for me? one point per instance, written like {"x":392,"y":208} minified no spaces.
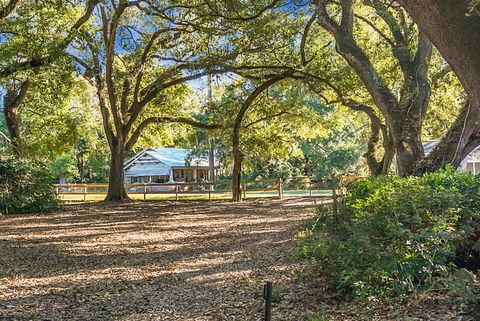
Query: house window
{"x":202,"y":175}
{"x":159,"y":179}
{"x":150,"y":179}
{"x":470,"y":168}
{"x":140,"y":179}
{"x":473,"y":168}
{"x":183,"y":175}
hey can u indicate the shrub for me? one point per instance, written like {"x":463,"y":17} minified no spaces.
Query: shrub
{"x":399,"y":236}
{"x":25,"y":187}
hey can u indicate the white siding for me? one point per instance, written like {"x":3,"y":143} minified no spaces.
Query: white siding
{"x":147,"y":166}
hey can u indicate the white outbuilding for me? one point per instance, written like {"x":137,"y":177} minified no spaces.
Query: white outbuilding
{"x":470,"y":164}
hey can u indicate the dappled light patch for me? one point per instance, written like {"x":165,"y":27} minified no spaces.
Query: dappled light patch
{"x":144,"y":261}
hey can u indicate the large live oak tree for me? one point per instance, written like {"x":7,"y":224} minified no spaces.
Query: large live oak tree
{"x":14,"y":71}
{"x":237,"y":154}
{"x":144,"y":50}
{"x":455,"y":32}
{"x":266,"y":115}
{"x":404,"y":112}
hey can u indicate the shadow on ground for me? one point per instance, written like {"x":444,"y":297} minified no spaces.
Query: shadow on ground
{"x":146,"y":260}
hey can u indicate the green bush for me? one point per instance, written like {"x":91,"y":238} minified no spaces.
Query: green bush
{"x":399,"y":236}
{"x":25,"y":187}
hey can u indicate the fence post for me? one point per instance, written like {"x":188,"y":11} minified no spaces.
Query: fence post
{"x":84,"y":192}
{"x":279,"y":187}
{"x":310,"y":185}
{"x":334,"y":195}
{"x":176,"y":192}
{"x":210,"y":191}
{"x":267,"y":295}
{"x":144,"y":191}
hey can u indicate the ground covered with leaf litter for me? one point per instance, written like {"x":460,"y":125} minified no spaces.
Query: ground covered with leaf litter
{"x":168,"y":261}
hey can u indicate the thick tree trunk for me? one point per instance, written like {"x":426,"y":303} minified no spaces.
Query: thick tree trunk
{"x":81,"y":167}
{"x":404,"y":114}
{"x":371,"y":156}
{"x":375,"y":165}
{"x":457,"y":36}
{"x":389,"y":154}
{"x":237,"y":177}
{"x":407,"y":141}
{"x":237,"y":163}
{"x":116,"y":188}
{"x":461,"y":139}
{"x":13,"y":122}
{"x":454,"y":33}
{"x":11,"y":108}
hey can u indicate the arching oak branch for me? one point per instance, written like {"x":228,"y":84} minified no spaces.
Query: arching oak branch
{"x":158,"y":120}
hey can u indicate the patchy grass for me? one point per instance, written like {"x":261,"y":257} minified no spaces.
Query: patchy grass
{"x":204,"y":196}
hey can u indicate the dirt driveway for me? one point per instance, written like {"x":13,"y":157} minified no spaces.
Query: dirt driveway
{"x":151,"y":261}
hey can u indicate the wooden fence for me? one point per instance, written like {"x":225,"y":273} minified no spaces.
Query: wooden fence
{"x":177,"y":189}
{"x":331,"y":187}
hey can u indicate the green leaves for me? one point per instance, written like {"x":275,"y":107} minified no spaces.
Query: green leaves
{"x":25,"y":187}
{"x":401,"y":236}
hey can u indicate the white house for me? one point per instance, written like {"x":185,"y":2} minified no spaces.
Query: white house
{"x":166,"y":165}
{"x":470,"y":164}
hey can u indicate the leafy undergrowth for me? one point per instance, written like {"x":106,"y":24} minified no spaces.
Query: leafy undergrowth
{"x":25,"y":186}
{"x":401,"y":243}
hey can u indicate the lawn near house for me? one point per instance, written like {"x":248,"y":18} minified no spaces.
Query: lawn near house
{"x":152,"y":261}
{"x":318,"y":193}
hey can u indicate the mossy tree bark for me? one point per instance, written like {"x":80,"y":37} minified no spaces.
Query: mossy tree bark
{"x":404,"y":114}
{"x":456,"y":34}
{"x":11,"y":109}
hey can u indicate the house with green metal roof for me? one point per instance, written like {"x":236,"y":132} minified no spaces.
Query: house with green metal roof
{"x":167,"y":165}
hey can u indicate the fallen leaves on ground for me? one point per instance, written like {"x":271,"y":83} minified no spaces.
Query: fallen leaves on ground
{"x":168,"y":261}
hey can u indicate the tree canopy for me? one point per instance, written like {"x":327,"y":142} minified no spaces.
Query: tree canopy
{"x":337,"y":85}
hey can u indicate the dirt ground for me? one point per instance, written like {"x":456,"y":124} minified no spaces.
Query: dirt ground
{"x":175,"y":261}
{"x":152,"y":261}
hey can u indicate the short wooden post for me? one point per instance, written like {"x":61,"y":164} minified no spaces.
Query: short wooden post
{"x":334,"y":195}
{"x":267,"y":295}
{"x":210,"y":191}
{"x":176,"y":191}
{"x":84,"y":192}
{"x":244,"y":188}
{"x":144,"y":191}
{"x":279,"y":187}
{"x":310,"y":185}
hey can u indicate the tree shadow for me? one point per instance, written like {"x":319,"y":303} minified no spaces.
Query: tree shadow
{"x":147,"y":261}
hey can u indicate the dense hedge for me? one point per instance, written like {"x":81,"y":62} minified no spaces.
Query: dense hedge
{"x":397,"y":235}
{"x":25,"y":187}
